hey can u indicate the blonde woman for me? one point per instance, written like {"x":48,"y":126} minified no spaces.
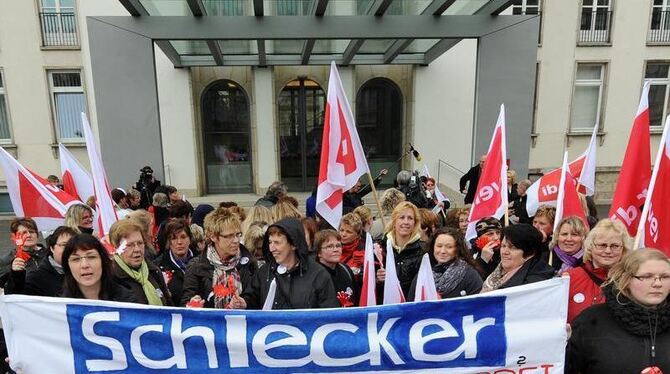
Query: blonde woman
{"x":567,"y":245}
{"x":258,"y":213}
{"x":79,"y":217}
{"x":403,"y":233}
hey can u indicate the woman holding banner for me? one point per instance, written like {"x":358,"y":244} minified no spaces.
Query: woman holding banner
{"x":403,"y":235}
{"x":567,"y":245}
{"x":605,"y":245}
{"x":630,"y":332}
{"x":132,"y":271}
{"x":224,"y":269}
{"x":89,"y":273}
{"x":454,"y":270}
{"x":520,"y":261}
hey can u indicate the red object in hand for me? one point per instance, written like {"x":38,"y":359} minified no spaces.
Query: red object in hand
{"x":199,"y":303}
{"x":652,"y":370}
{"x":482,"y":241}
{"x":20,"y":241}
{"x":344,"y":299}
{"x":225,"y":290}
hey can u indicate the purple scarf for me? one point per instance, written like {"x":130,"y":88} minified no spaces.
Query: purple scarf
{"x":569,"y":261}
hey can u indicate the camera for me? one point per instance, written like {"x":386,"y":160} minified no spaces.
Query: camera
{"x":410,"y":184}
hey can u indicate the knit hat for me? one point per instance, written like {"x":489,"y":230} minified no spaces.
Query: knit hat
{"x":487,"y":224}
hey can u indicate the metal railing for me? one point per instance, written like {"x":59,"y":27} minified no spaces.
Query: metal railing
{"x":659,"y":29}
{"x":59,"y":29}
{"x":595,"y":27}
{"x":454,"y":174}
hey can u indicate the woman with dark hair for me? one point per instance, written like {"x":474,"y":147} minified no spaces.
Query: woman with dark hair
{"x":520,"y":261}
{"x":89,"y":273}
{"x":173,"y":261}
{"x":328,"y":247}
{"x":630,"y":331}
{"x":454,"y":270}
{"x":14,"y":266}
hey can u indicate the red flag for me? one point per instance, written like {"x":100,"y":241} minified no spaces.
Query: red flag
{"x":392,"y":290}
{"x":368,"y":295}
{"x":655,"y":220}
{"x":425,"y":282}
{"x":568,"y":203}
{"x":491,"y":197}
{"x":342,"y":157}
{"x":76,"y":180}
{"x":103,"y":196}
{"x":635,"y":173}
{"x":34,"y":197}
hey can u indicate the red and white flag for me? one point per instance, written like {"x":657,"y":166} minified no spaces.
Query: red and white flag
{"x":654,"y":225}
{"x":368,"y":295}
{"x":491,"y":196}
{"x":544,"y":191}
{"x":568,"y":203}
{"x":76,"y":180}
{"x":438,"y":194}
{"x":425,"y":282}
{"x":103,"y":196}
{"x":342,"y":157}
{"x":392,"y":290}
{"x":635,"y":172}
{"x":32,"y":196}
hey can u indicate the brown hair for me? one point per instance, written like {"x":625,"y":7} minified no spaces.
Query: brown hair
{"x":546,"y":211}
{"x":121,"y":229}
{"x":354,"y":220}
{"x":284,"y":209}
{"x":453,"y":217}
{"x":309,"y":225}
{"x":219,"y":219}
{"x":364,"y":213}
{"x":324,"y":235}
{"x":622,"y":273}
{"x":26,"y":222}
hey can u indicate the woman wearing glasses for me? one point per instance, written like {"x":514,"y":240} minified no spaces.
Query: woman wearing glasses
{"x":217,"y":277}
{"x":630,"y":332}
{"x":88,"y":272}
{"x":132,"y":271}
{"x":328,"y":244}
{"x":605,"y":245}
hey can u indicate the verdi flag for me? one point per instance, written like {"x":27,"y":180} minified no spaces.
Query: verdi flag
{"x":568,"y":203}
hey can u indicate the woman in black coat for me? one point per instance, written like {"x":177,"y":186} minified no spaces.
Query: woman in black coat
{"x":454,"y":271}
{"x":328,"y":246}
{"x":177,"y":256}
{"x":630,"y":332}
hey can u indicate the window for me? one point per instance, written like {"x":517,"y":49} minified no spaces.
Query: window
{"x":528,"y":7}
{"x":660,"y":22}
{"x":587,"y":97}
{"x":58,"y":23}
{"x":595,"y":22}
{"x":657,"y":74}
{"x":4,"y":116}
{"x":68,"y":101}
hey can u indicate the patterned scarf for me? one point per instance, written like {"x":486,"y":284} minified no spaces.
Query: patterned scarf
{"x":225,"y":278}
{"x":447,"y":276}
{"x":141,"y":276}
{"x":498,"y":277}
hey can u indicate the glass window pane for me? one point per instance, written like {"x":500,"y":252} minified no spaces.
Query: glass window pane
{"x":585,"y":107}
{"x":225,"y":7}
{"x":4,"y":119}
{"x":191,"y":47}
{"x":1,"y":84}
{"x":69,"y":107}
{"x":656,"y":104}
{"x":293,"y":7}
{"x":588,"y":71}
{"x":587,"y":2}
{"x":655,"y":70}
{"x":66,"y":79}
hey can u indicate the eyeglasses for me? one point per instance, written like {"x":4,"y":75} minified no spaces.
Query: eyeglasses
{"x":137,"y":244}
{"x":332,"y":246}
{"x":237,"y":235}
{"x":78,"y":260}
{"x":603,"y":246}
{"x":648,"y":278}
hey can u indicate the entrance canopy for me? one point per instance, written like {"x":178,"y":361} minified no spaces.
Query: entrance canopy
{"x":311,"y":32}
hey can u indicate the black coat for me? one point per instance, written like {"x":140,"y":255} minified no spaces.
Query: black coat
{"x":199,"y":274}
{"x":470,"y":284}
{"x":407,"y":263}
{"x":13,"y":281}
{"x":45,"y":281}
{"x":174,"y":274}
{"x":308,"y":285}
{"x":471,"y":178}
{"x":344,"y":281}
{"x":533,"y":270}
{"x":155,"y":277}
{"x":615,"y":338}
{"x":352,"y":200}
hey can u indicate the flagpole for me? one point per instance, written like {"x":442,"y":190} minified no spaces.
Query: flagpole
{"x":652,"y":182}
{"x":374,"y":193}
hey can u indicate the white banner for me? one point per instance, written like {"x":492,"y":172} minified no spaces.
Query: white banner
{"x":517,"y":330}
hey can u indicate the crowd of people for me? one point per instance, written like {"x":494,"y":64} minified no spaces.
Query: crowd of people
{"x":164,"y":252}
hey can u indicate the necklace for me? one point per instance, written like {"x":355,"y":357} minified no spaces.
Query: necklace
{"x":652,"y":335}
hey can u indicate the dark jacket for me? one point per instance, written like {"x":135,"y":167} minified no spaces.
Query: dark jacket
{"x":267,"y":201}
{"x":615,"y":337}
{"x":155,"y":277}
{"x":173,"y":275}
{"x":13,"y":281}
{"x":344,"y":282}
{"x":470,"y":284}
{"x":44,"y":281}
{"x":307,"y":285}
{"x":352,"y":200}
{"x":199,"y":274}
{"x":471,"y":178}
{"x":533,"y":270}
{"x":407,"y":263}
{"x":520,"y":209}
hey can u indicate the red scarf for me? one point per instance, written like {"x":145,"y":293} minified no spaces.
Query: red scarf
{"x":348,"y":250}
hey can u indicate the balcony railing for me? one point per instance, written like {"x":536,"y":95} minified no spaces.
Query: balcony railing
{"x":659,"y":30}
{"x":595,"y":27}
{"x":59,"y":29}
